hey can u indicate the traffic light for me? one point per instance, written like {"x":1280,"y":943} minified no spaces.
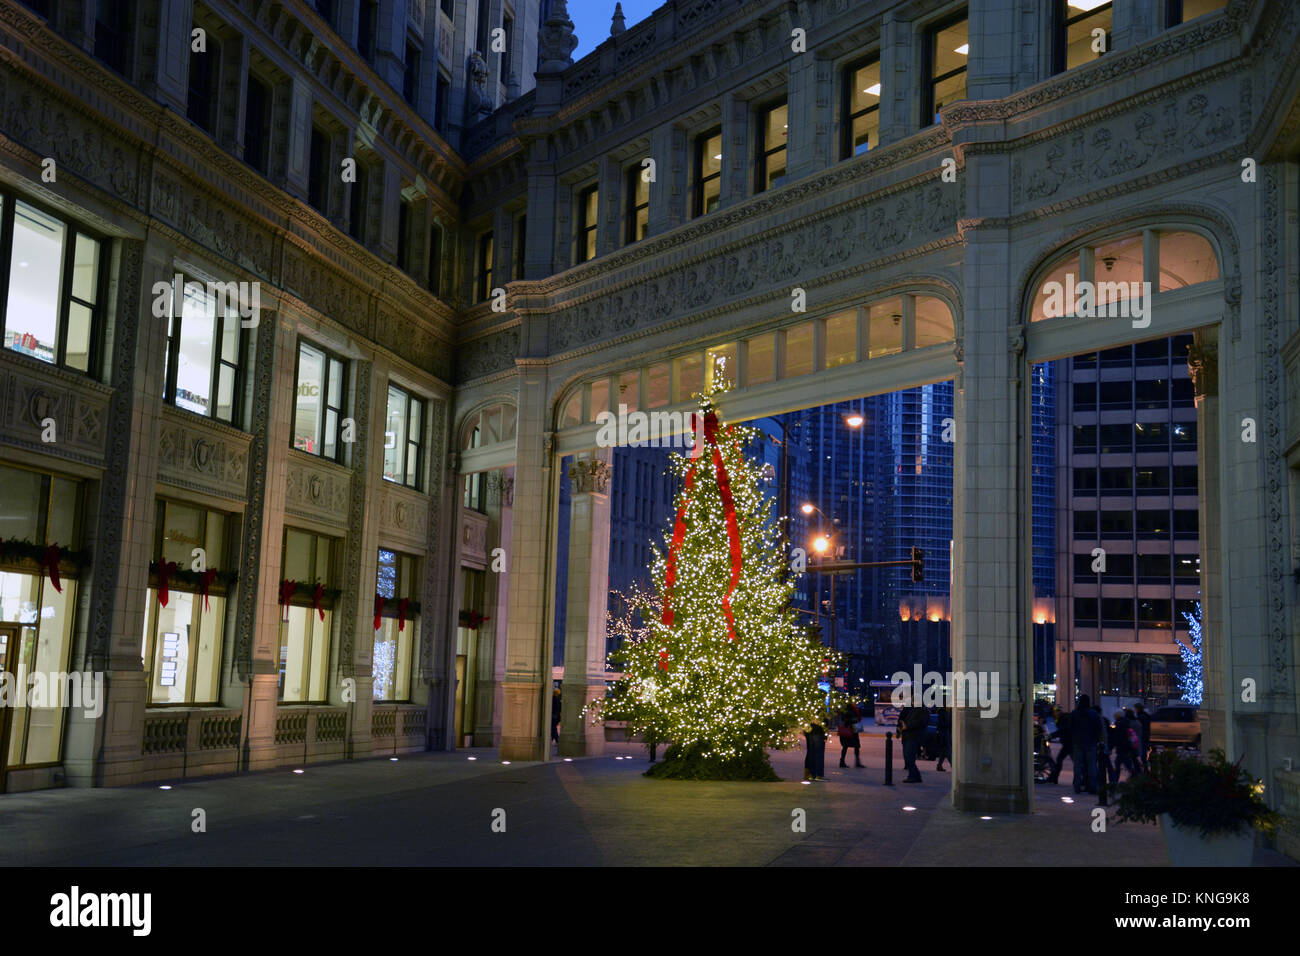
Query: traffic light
{"x":916,"y":566}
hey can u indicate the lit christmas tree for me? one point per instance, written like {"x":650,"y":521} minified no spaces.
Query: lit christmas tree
{"x":1190,"y":681}
{"x":719,"y":666}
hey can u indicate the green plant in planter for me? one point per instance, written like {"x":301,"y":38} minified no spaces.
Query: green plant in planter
{"x":1209,"y":795}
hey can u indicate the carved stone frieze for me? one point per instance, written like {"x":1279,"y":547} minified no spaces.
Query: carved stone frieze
{"x":317,"y":491}
{"x":590,"y":476}
{"x":33,"y":397}
{"x":194,"y":454}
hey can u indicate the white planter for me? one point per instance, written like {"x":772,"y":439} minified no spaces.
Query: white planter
{"x":1188,"y":848}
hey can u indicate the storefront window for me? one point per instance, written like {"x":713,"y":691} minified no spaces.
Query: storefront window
{"x":36,"y":511}
{"x":306,"y":618}
{"x":182,"y":641}
{"x":396,"y":587}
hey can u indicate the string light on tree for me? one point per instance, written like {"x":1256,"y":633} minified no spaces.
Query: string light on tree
{"x":1191,"y":682}
{"x":718,"y":664}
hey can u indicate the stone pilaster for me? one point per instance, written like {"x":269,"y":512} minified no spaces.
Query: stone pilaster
{"x":524,"y":730}
{"x":588,"y":597}
{"x":1203,"y":364}
{"x":107,"y":751}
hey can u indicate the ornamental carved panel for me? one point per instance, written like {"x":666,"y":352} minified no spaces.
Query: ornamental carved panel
{"x":319,"y":490}
{"x":403,"y":516}
{"x":33,"y":398}
{"x":202,"y":456}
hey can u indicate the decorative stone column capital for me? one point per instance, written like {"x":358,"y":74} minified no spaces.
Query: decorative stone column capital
{"x":590,"y":475}
{"x":1203,"y":364}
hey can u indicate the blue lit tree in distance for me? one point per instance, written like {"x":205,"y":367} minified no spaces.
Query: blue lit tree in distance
{"x":1190,"y":681}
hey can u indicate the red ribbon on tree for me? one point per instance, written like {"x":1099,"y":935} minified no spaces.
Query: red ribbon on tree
{"x":379,"y":609}
{"x":287,"y":588}
{"x":51,"y":563}
{"x":316,"y":596}
{"x":165,"y":571}
{"x":679,"y":533}
{"x":205,"y":582}
{"x":401,"y":613}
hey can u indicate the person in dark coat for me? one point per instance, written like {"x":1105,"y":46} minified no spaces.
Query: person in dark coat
{"x":1087,"y":733}
{"x":1062,"y":734}
{"x":814,"y":763}
{"x":945,"y":737}
{"x":848,"y":732}
{"x":911,"y":724}
{"x":1144,"y":721}
{"x":556,"y":705}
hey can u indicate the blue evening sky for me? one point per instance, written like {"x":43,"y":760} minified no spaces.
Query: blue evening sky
{"x":591,"y":20}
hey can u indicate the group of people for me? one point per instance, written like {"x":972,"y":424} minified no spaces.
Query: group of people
{"x":1097,"y":746}
{"x":912,"y":725}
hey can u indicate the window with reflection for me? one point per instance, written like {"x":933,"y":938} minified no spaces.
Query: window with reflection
{"x":1104,"y":274}
{"x":483,"y":253}
{"x":397,"y":610}
{"x":53,"y":310}
{"x":403,"y":438}
{"x":860,"y":107}
{"x":885,"y":328}
{"x":946,"y":50}
{"x":318,"y":402}
{"x":707,"y":180}
{"x":773,"y":133}
{"x":587,"y":220}
{"x":185,"y":620}
{"x":637,"y":216}
{"x":1074,"y":38}
{"x":306,"y":616}
{"x":206,"y":345}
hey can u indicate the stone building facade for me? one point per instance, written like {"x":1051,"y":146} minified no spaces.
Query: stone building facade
{"x":836,"y":199}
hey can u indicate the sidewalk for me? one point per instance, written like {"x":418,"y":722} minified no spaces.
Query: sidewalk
{"x":431,"y":809}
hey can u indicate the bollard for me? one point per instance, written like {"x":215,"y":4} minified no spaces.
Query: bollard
{"x":889,"y":760}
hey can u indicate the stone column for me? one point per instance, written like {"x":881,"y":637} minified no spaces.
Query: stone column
{"x":1203,"y":363}
{"x":588,"y":597}
{"x":297,"y":161}
{"x":737,"y":154}
{"x":669,"y":197}
{"x":525,"y":733}
{"x":992,"y":582}
{"x":1134,"y":22}
{"x":491,"y":645}
{"x":990,"y":71}
{"x":899,"y":102}
{"x":813,"y":145}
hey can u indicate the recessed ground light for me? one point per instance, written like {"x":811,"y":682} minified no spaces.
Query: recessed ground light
{"x":300,"y":771}
{"x":506,"y":762}
{"x":1067,"y":799}
{"x":986,"y":818}
{"x":165,"y":787}
{"x":471,"y":758}
{"x":806,"y":783}
{"x":909,"y":809}
{"x":393,"y":759}
{"x":568,"y":760}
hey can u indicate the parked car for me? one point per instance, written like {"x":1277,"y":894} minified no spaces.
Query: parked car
{"x":1176,"y":724}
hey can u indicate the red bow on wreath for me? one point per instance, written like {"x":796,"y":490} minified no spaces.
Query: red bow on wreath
{"x":51,"y":563}
{"x":287,"y":588}
{"x":165,"y":570}
{"x":316,"y":596}
{"x":379,"y":610}
{"x":679,"y":532}
{"x":401,"y":613}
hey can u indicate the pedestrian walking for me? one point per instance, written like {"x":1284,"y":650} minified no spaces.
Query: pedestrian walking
{"x":1087,"y":731}
{"x":556,"y":705}
{"x":911,"y":723}
{"x":814,"y":762}
{"x":1063,"y":735}
{"x":945,"y":738}
{"x":849,"y":739}
{"x":1144,"y":749}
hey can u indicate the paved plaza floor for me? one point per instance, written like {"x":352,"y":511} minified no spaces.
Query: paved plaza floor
{"x":440,"y":809}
